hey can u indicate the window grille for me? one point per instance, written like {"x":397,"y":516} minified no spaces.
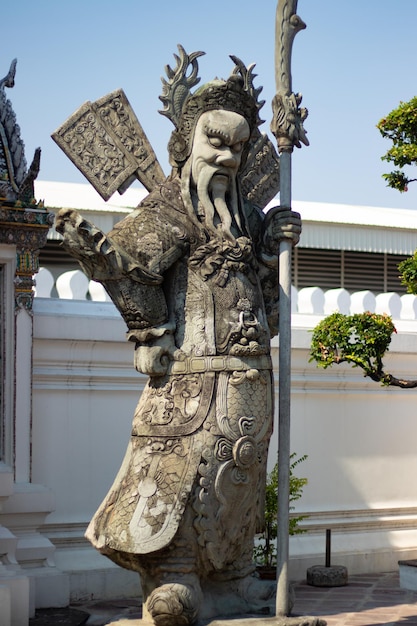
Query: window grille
{"x":364,"y":270}
{"x":355,"y":271}
{"x":392,"y":273}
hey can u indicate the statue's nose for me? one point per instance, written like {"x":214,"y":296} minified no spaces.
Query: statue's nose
{"x":227,"y":158}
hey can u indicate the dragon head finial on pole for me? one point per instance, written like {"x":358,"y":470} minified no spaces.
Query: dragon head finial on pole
{"x":288,"y":117}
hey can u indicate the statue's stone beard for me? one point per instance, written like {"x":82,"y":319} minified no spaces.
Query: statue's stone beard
{"x":214,"y":200}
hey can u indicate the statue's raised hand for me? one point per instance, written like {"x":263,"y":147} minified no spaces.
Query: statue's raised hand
{"x":154,"y":358}
{"x":281,"y":223}
{"x":100,"y":256}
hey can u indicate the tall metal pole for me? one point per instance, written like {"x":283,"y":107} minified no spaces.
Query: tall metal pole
{"x":284,"y":403}
{"x":287,"y":126}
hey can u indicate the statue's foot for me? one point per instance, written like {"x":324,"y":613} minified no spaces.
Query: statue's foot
{"x":258,"y":595}
{"x":261,"y":592}
{"x":174,"y":604}
{"x":240,"y":596}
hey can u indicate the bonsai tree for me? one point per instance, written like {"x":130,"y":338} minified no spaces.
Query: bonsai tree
{"x":361,"y":340}
{"x":265,"y":553}
{"x":400,"y":126}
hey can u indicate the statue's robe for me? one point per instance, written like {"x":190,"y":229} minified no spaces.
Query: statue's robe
{"x":194,"y":471}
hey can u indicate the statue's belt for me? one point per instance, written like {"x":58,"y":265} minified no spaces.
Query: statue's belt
{"x":201,"y":364}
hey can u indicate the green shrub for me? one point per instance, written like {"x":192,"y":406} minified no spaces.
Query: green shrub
{"x":265,"y":553}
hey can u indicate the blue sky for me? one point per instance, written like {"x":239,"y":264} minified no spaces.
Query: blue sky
{"x":353,"y":64}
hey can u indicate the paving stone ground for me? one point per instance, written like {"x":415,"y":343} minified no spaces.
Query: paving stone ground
{"x":368,"y":600}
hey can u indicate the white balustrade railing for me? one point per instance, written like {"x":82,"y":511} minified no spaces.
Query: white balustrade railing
{"x":74,"y":285}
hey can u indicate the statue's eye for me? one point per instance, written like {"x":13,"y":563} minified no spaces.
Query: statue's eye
{"x":237,"y":147}
{"x":216,"y":142}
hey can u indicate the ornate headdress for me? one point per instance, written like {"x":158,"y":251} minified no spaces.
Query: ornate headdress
{"x":236,"y":94}
{"x":109,"y":125}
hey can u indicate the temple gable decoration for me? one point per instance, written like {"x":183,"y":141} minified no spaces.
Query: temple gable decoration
{"x":24,"y":222}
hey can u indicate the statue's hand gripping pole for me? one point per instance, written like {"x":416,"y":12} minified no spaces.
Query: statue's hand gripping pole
{"x":287,"y":126}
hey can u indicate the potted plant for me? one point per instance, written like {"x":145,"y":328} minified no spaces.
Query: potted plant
{"x":265,"y":551}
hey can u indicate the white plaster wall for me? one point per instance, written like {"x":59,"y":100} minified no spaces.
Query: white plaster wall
{"x":85,"y":391}
{"x":360,"y":438}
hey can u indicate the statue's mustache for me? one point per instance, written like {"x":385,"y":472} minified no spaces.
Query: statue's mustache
{"x":212,"y":187}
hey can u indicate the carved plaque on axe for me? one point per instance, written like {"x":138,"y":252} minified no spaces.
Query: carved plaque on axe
{"x":106,"y":142}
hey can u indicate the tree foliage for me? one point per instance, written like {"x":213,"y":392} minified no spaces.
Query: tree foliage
{"x":408,"y":273}
{"x":400,"y":126}
{"x":361,"y":339}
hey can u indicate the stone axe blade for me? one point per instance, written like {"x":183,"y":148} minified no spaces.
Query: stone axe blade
{"x":106,"y":142}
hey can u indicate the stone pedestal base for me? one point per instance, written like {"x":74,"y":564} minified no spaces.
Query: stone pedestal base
{"x":272,"y":621}
{"x":217,"y":609}
{"x":332,"y":576}
{"x":244,"y":621}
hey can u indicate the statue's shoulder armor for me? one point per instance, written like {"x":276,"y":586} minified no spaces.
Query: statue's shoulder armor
{"x":157,"y":224}
{"x":255,"y":218}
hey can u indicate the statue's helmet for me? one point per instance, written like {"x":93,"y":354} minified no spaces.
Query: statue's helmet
{"x":184,"y":109}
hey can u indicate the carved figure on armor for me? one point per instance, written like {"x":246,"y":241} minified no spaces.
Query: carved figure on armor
{"x":193,"y":271}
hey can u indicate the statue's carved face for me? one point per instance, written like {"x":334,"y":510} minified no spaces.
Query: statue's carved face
{"x":219,"y":139}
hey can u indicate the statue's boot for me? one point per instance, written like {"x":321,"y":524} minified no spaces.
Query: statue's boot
{"x":225,"y":595}
{"x":253,"y":590}
{"x":175,"y":603}
{"x":258,"y":593}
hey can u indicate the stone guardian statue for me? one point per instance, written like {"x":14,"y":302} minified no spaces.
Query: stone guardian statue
{"x":193,"y":272}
